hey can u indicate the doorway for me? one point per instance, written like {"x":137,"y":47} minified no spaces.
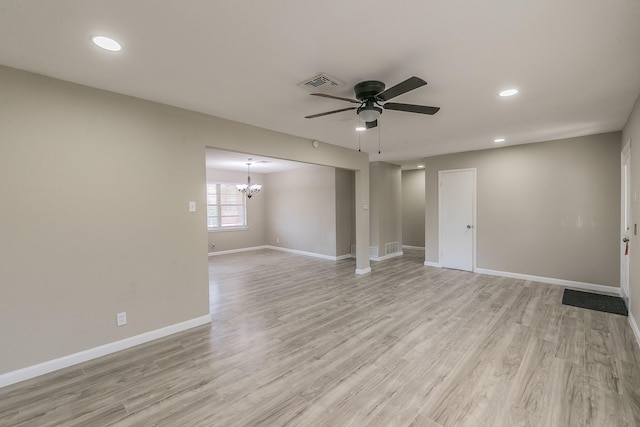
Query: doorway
{"x":625,"y":220}
{"x":456,"y":218}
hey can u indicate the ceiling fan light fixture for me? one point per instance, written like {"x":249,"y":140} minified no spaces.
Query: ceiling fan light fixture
{"x":369,"y":113}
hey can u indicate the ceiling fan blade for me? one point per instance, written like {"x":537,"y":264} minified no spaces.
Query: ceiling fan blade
{"x":330,"y":112}
{"x":410,"y":84}
{"x":336,"y":97}
{"x":422,"y":109}
{"x":371,"y":125}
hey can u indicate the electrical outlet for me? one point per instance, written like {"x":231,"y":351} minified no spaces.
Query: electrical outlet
{"x":277,"y":240}
{"x":121,"y":318}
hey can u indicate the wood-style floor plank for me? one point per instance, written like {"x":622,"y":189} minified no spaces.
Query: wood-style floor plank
{"x":305,"y":342}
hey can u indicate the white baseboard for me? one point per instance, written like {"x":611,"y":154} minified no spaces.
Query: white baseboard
{"x":552,"y":281}
{"x":412,"y":247}
{"x":634,"y":327}
{"x":387,"y":256}
{"x":235,"y":251}
{"x":93,"y":353}
{"x":363,"y":270}
{"x":432,"y":264}
{"x":277,"y":248}
{"x":311,"y":254}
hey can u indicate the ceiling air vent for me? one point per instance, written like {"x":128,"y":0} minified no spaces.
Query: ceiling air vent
{"x":321,"y":83}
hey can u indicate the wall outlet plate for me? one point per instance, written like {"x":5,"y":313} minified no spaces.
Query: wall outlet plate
{"x":121,"y":318}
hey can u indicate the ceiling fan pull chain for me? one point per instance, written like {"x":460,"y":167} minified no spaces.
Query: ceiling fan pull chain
{"x":379,"y":131}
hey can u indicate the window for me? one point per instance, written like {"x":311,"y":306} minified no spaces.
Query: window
{"x":226,"y":207}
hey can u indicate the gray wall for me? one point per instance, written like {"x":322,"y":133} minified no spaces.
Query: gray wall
{"x":385,"y":210}
{"x":631,"y":132}
{"x":94,"y":191}
{"x":301,"y":209}
{"x":413,"y":207}
{"x":345,"y":211}
{"x":549,"y":209}
{"x":255,"y":233}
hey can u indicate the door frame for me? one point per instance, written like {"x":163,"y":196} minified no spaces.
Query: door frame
{"x":626,"y":221}
{"x":473,"y":212}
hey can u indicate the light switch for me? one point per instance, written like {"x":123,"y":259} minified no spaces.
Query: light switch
{"x":192,"y":206}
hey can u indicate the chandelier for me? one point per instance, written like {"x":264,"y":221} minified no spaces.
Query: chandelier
{"x":248,"y":188}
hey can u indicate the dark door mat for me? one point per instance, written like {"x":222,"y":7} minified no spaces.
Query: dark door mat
{"x":606,"y":303}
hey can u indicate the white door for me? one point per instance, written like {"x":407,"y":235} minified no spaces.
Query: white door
{"x":456,"y":213}
{"x":625,"y":220}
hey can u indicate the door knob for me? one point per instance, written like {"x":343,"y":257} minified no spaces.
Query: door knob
{"x":468,"y":226}
{"x":625,"y":240}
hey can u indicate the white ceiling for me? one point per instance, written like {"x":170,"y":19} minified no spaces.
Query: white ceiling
{"x":575,"y":62}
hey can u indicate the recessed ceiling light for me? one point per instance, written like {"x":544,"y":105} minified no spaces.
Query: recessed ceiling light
{"x":361,"y":128}
{"x":498,"y":140}
{"x":106,"y":43}
{"x":420,"y":166}
{"x":509,"y":92}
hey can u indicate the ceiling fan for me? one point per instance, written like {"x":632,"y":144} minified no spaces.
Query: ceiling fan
{"x":372,"y":97}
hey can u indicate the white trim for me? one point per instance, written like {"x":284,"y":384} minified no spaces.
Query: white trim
{"x":312,"y":254}
{"x":624,"y":295}
{"x":387,"y":256}
{"x":363,"y":270}
{"x":234,"y":251}
{"x":93,"y":353}
{"x":345,"y":256}
{"x":552,"y":281}
{"x":412,"y":247}
{"x":634,"y":327}
{"x":432,"y":264}
{"x":625,"y":219}
{"x":222,"y":230}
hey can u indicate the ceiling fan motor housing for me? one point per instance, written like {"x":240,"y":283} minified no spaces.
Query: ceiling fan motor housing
{"x":368,"y":89}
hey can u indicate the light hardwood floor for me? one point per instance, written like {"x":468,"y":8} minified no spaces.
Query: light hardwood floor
{"x":305,"y":342}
